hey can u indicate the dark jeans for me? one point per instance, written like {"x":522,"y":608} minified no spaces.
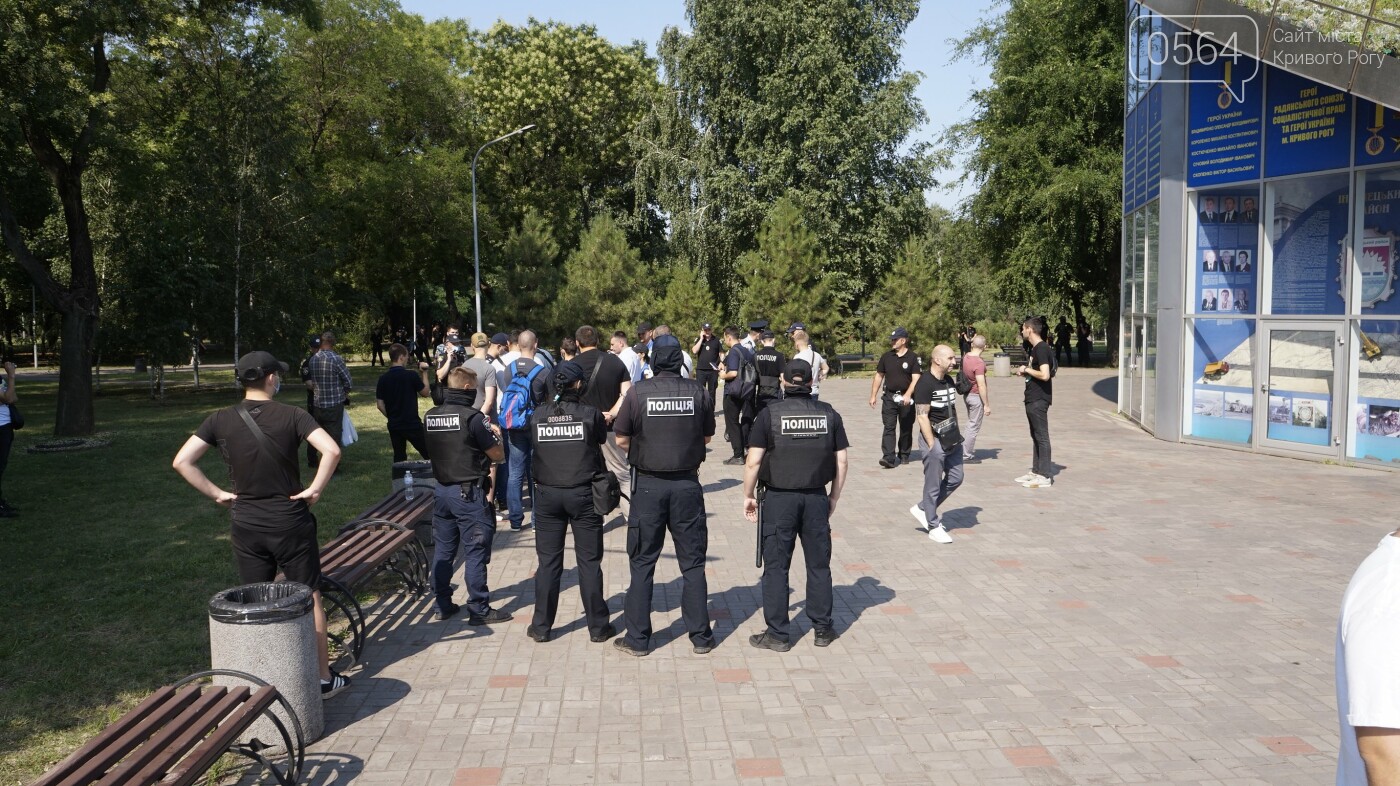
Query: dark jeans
{"x":710,"y":380}
{"x":330,"y":419}
{"x":1063,"y":346}
{"x":787,"y":516}
{"x":557,"y":509}
{"x":1085,"y":347}
{"x":461,"y":519}
{"x":400,"y":440}
{"x":521,"y":451}
{"x":735,"y":425}
{"x":896,"y":415}
{"x":675,"y":503}
{"x":1038,"y":415}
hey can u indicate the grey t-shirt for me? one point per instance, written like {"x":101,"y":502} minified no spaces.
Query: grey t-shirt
{"x":485,"y":373}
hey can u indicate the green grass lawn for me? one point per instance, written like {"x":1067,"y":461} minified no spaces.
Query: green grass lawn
{"x":107,"y":573}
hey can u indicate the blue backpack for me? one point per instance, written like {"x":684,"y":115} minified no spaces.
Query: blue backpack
{"x":517,"y":403}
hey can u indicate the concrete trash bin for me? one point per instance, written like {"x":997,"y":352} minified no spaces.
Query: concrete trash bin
{"x":1001,"y":365}
{"x":269,"y":631}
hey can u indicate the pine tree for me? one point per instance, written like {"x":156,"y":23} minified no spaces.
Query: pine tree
{"x":783,"y":277}
{"x":529,"y":268}
{"x":688,"y":303}
{"x":607,"y":281}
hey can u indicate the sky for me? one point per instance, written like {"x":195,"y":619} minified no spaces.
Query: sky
{"x":944,"y":90}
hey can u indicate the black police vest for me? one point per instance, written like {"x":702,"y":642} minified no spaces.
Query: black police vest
{"x":567,"y":453}
{"x":456,"y":458}
{"x":768,"y":361}
{"x":803,"y":452}
{"x":671,"y":436}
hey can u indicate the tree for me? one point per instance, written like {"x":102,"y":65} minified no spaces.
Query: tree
{"x":688,"y":303}
{"x":783,"y":276}
{"x":608,"y":282}
{"x":526,"y":277}
{"x":1045,"y":149}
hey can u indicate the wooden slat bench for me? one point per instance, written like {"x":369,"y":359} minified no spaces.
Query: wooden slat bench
{"x":177,"y":734}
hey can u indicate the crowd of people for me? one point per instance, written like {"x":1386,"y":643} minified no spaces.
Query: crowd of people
{"x":592,"y":430}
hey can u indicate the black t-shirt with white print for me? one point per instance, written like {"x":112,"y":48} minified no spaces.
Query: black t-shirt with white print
{"x":939,"y":395}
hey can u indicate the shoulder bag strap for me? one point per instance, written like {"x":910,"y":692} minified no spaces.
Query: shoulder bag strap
{"x":264,"y":444}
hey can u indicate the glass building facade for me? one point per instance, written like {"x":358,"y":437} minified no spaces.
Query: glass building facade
{"x":1260,"y":230}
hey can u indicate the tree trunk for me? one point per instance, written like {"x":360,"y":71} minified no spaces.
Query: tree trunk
{"x":74,"y":417}
{"x":447,"y":286}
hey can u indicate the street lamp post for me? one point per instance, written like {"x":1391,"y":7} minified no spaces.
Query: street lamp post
{"x":476,"y":242}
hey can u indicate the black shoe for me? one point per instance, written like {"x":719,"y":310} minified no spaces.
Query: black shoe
{"x":490,"y":617}
{"x":734,"y":461}
{"x":764,"y":641}
{"x":822,"y":637}
{"x":622,"y":644}
{"x":448,"y":613}
{"x":904,"y":458}
{"x":541,"y":636}
{"x":703,"y":649}
{"x":516,"y":526}
{"x":603,"y":635}
{"x":889,"y":463}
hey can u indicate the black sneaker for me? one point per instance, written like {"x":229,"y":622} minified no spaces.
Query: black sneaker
{"x":764,"y":641}
{"x":541,"y":636}
{"x":490,"y":617}
{"x":904,"y":458}
{"x":822,"y":637}
{"x":622,"y":645}
{"x":448,"y":613}
{"x":703,"y":649}
{"x":734,"y":461}
{"x":334,"y":685}
{"x":603,"y":635}
{"x":889,"y":463}
{"x":516,"y":526}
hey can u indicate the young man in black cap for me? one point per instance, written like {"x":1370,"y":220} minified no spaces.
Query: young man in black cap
{"x":272,"y":526}
{"x":895,"y":377}
{"x":797,"y":447}
{"x":707,"y":351}
{"x":567,"y":436}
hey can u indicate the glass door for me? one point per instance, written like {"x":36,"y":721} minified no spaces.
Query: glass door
{"x":1136,"y":366}
{"x":1299,"y":389}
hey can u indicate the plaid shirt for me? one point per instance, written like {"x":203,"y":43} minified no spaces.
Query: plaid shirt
{"x":331,"y":378}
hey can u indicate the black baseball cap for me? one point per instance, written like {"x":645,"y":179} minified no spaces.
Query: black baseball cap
{"x":257,"y":365}
{"x":706,"y":326}
{"x":899,"y":332}
{"x":315,"y":342}
{"x":799,"y":372}
{"x":501,"y":339}
{"x":766,"y":335}
{"x":567,"y":373}
{"x":644,"y":327}
{"x":796,"y":326}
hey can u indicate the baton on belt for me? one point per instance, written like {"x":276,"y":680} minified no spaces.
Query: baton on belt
{"x":758,"y":546}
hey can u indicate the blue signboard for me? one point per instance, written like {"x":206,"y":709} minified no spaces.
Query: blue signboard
{"x":1377,"y":134}
{"x":1224,"y":141}
{"x":1307,"y":126}
{"x":1311,"y":216}
{"x":1154,"y":143}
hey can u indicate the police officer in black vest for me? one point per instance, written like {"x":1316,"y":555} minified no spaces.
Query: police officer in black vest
{"x":567,"y":437}
{"x":664,"y":424}
{"x":770,"y":364}
{"x":796,"y":448}
{"x":462,"y":445}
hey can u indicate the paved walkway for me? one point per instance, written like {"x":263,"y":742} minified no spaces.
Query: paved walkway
{"x":1164,"y":613}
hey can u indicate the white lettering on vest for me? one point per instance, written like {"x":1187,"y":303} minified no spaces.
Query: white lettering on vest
{"x":803,"y":425}
{"x":451,"y":422}
{"x":670,"y":407}
{"x":563,"y":432}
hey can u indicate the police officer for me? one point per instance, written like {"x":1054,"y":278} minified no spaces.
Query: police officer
{"x":756,"y":329}
{"x":462,"y":445}
{"x":567,"y":436}
{"x":664,"y":426}
{"x":770,"y":363}
{"x":797,"y":447}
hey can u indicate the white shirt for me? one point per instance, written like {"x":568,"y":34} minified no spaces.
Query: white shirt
{"x":811,"y":356}
{"x":748,"y":342}
{"x":1368,"y":648}
{"x":633,"y":362}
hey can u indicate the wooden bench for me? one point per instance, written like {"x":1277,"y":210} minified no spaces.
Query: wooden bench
{"x":380,"y":539}
{"x":177,"y":734}
{"x":1016,"y":352}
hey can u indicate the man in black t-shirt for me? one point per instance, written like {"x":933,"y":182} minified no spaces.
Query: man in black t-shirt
{"x":272,"y":526}
{"x":893,"y":384}
{"x":935,"y":412}
{"x":606,"y":381}
{"x":707,"y":351}
{"x":1038,"y":374}
{"x":396,"y":394}
{"x":738,"y":401}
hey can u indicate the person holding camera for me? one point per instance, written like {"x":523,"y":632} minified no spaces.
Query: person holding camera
{"x":450,"y":354}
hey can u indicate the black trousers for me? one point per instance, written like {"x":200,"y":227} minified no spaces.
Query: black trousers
{"x":735,"y":425}
{"x":7,"y":441}
{"x":895,"y":415}
{"x":558,"y":509}
{"x":675,"y":504}
{"x":1063,"y":346}
{"x":330,"y":419}
{"x":710,"y":379}
{"x":788,"y":516}
{"x":400,"y":440}
{"x":1038,"y":415}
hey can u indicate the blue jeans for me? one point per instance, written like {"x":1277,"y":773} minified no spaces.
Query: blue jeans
{"x":462,"y":519}
{"x":521,"y":452}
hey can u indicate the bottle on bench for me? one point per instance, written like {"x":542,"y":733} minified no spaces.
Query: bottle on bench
{"x":408,"y":485}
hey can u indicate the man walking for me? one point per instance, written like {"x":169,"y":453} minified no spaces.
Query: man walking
{"x":737,"y":395}
{"x":606,"y":382}
{"x":895,"y":375}
{"x":797,"y":447}
{"x":1038,"y":373}
{"x":979,"y":399}
{"x":332,"y":381}
{"x":396,"y":394}
{"x":461,"y":444}
{"x":271,"y":526}
{"x":937,"y":417}
{"x":664,"y":428}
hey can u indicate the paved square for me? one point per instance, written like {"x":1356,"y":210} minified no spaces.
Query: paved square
{"x":1164,"y":614}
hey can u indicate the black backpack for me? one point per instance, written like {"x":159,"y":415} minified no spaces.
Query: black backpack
{"x":748,"y":372}
{"x":965,"y":383}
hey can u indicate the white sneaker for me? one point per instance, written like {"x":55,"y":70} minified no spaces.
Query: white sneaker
{"x":1038,"y":481}
{"x":939,"y":534}
{"x":1029,"y":476}
{"x":919,"y":517}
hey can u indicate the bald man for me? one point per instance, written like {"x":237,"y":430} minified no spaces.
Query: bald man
{"x":937,"y":421}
